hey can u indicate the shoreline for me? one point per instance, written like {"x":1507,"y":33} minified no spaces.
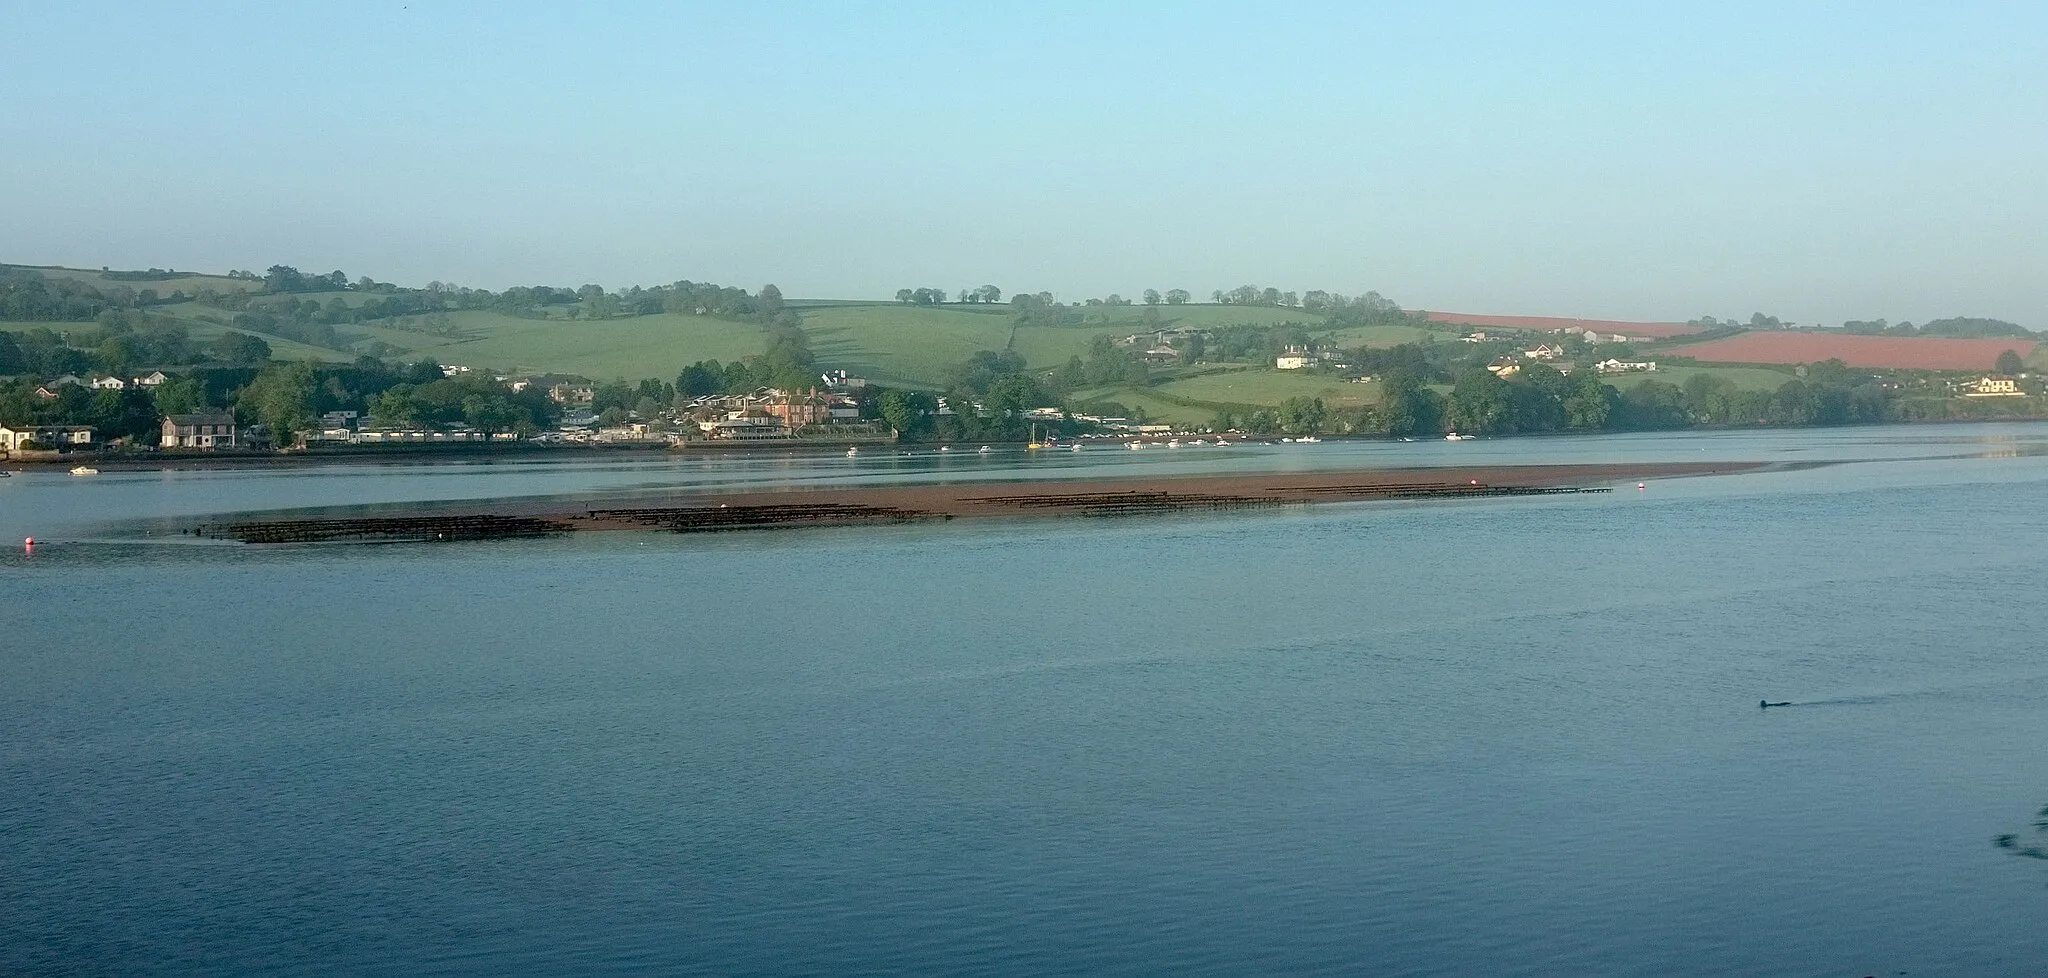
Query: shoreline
{"x":817,"y":506}
{"x":488,"y":454}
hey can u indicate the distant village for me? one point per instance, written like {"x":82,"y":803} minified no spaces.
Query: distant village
{"x":829,"y":413}
{"x":835,"y":409}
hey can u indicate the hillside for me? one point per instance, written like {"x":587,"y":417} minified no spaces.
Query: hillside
{"x":1875,"y":352}
{"x":1652,"y":330}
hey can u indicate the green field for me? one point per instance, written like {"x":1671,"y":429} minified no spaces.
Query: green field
{"x":1131,"y":317}
{"x":190,"y":283}
{"x":632,"y":348}
{"x":913,"y":345}
{"x":1268,"y":387}
{"x":1354,"y":336}
{"x":1153,"y":407}
{"x":1050,"y":346}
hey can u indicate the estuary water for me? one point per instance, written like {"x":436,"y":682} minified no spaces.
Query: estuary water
{"x":1514,"y":736}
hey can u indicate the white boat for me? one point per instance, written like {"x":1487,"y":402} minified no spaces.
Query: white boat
{"x":1174,"y":443}
{"x":1286,"y":441}
{"x":851,"y":452}
{"x":1074,"y":448}
{"x":1220,"y":443}
{"x":983,"y":449}
{"x":945,"y":448}
{"x":85,"y":470}
{"x":1134,"y":446}
{"x":1308,"y":440}
{"x":1454,"y":436}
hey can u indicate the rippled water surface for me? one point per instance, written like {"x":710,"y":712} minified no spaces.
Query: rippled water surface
{"x":1498,"y":737}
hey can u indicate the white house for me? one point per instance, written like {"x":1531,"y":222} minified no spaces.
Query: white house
{"x":48,"y":436}
{"x":213,"y":429}
{"x":1612,"y":366}
{"x":109,"y":383}
{"x":1293,"y":360}
{"x":1994,"y":387}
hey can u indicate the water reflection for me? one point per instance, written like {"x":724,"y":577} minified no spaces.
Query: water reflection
{"x":2034,"y":846}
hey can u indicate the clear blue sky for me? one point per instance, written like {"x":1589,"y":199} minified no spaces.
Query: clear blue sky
{"x":1819,"y":162}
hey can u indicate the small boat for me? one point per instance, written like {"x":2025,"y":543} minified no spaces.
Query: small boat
{"x":983,"y":449}
{"x":1074,"y":448}
{"x":1134,"y":446}
{"x":1308,"y":440}
{"x":945,"y":448}
{"x":1454,"y":436}
{"x":85,"y":470}
{"x":1174,"y":443}
{"x":851,"y":452}
{"x":1286,"y":441}
{"x":1220,"y":443}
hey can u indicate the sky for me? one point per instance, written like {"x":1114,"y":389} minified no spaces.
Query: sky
{"x":1648,"y":161}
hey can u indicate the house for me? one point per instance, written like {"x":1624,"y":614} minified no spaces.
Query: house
{"x":742,"y":426}
{"x":1545,"y":352}
{"x":215,"y":429}
{"x":1993,"y":387}
{"x":842,"y":407}
{"x":1612,"y":366}
{"x":572,"y":395}
{"x":796,"y":409}
{"x":1479,"y":337}
{"x":1294,"y":359}
{"x":108,"y":383}
{"x":47,"y":436}
{"x":155,"y":379}
{"x":1161,"y":354}
{"x":335,"y":426}
{"x":1505,"y":367}
{"x":629,"y":432}
{"x":49,"y":391}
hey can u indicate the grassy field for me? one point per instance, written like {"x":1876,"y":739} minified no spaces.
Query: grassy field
{"x":1049,"y":346}
{"x":1153,"y":407}
{"x":1195,"y":314}
{"x":907,"y":344}
{"x":1385,"y":336}
{"x":1268,"y":387}
{"x":634,"y":348}
{"x":190,"y":283}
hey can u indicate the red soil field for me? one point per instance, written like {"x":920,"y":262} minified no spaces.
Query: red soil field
{"x":1898,"y":352}
{"x":1652,"y":330}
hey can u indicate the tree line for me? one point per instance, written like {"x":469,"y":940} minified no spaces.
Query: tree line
{"x":290,"y":397}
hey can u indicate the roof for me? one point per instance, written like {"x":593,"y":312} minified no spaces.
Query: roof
{"x":210,"y":417}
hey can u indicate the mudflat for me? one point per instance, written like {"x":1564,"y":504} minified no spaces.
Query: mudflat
{"x":852,"y":505}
